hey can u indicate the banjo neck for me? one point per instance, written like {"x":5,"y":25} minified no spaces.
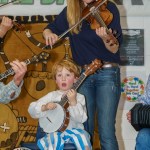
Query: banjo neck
{"x":43,"y":56}
{"x":11,"y":71}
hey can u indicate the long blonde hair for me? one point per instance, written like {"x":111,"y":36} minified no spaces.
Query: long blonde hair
{"x":74,"y":13}
{"x":74,"y":9}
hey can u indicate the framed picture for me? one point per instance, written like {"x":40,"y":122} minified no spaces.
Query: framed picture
{"x":132,"y":48}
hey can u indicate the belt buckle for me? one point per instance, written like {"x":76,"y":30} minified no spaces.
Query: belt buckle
{"x":109,"y":65}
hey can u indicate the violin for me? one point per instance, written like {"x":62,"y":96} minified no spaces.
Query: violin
{"x":95,"y":12}
{"x":100,"y":17}
{"x":102,"y":12}
{"x":17,"y":26}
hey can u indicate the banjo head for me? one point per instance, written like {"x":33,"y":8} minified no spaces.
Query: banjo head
{"x":53,"y":119}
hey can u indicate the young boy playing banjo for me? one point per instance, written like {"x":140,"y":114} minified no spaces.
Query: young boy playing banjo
{"x":66,"y":74}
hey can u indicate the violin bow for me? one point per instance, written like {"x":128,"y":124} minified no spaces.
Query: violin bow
{"x":10,"y":2}
{"x":83,"y":18}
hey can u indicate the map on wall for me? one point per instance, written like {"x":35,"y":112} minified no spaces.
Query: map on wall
{"x":132,"y":48}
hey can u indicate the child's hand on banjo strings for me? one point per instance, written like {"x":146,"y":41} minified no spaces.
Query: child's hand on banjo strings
{"x":49,"y":106}
{"x":72,"y":94}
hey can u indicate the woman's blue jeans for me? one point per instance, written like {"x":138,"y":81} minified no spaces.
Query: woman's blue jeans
{"x":102,"y":93}
{"x":143,"y":139}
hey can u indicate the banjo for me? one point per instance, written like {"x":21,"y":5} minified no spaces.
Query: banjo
{"x":58,"y":118}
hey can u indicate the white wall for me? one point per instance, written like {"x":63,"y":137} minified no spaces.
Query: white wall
{"x":31,"y":9}
{"x":126,"y":134}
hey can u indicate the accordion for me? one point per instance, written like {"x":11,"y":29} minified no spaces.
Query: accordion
{"x":140,"y":116}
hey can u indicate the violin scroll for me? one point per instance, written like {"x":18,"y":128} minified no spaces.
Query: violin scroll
{"x":18,"y":27}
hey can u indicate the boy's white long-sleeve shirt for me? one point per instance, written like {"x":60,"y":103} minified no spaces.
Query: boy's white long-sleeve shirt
{"x":78,"y":114}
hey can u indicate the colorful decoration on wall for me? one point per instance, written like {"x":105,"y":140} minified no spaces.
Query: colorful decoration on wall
{"x":131,"y":88}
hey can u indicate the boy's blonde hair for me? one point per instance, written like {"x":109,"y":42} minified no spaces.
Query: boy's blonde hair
{"x":68,"y":64}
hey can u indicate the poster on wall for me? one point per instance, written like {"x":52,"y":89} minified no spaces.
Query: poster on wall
{"x":132,"y":87}
{"x":31,"y":7}
{"x":53,"y":7}
{"x":132,"y":48}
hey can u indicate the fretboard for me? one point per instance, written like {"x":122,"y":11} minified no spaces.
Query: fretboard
{"x":64,"y":99}
{"x":11,"y":71}
{"x":100,"y":20}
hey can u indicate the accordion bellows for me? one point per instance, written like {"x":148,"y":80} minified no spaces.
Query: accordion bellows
{"x":140,"y":116}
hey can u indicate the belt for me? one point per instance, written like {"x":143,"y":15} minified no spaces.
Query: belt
{"x":109,"y":65}
{"x":105,"y":65}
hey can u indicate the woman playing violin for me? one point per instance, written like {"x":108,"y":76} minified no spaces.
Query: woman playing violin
{"x":102,"y":89}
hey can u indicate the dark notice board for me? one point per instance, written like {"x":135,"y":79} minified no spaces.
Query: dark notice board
{"x":132,"y":48}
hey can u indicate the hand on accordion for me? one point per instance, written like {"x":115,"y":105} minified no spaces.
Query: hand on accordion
{"x":129,"y":116}
{"x":139,"y":116}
